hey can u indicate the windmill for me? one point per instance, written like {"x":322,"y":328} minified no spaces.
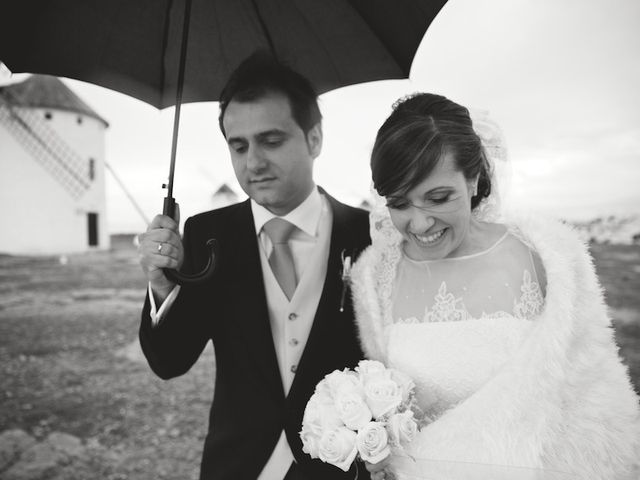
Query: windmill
{"x":52,"y":184}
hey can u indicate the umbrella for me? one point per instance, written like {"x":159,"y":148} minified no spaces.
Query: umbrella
{"x":166,"y":52}
{"x":133,"y":46}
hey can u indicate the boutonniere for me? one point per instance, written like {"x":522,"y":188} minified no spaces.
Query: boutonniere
{"x":346,"y":277}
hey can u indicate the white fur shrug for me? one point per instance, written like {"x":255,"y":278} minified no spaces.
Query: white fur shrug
{"x":564,"y":402}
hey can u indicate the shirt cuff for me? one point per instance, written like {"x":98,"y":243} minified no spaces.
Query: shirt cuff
{"x":158,"y":314}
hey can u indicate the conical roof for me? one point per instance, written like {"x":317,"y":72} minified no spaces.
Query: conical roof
{"x":224,"y":189}
{"x":45,"y":91}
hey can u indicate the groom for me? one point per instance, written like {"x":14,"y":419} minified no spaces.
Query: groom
{"x":274,"y":306}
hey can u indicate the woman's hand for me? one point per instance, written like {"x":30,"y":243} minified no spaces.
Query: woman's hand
{"x":379,"y":470}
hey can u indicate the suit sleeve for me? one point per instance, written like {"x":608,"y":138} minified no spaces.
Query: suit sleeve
{"x":174,"y":345}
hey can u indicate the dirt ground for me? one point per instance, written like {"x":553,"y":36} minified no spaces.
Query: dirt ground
{"x":70,"y":363}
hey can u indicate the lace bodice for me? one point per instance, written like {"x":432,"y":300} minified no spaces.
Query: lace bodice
{"x":499,"y":281}
{"x":456,"y":321}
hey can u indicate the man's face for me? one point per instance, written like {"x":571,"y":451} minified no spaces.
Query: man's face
{"x":271,"y":156}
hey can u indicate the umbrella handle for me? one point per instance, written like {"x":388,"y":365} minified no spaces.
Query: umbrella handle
{"x":196,"y":278}
{"x":190,"y":279}
{"x":170,"y":202}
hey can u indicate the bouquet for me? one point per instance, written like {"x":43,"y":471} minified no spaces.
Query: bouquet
{"x":362,"y":413}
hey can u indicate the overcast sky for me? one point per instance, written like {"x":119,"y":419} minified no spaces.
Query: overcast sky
{"x":559,"y":76}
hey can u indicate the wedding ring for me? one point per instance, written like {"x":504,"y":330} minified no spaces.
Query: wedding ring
{"x":160,"y":248}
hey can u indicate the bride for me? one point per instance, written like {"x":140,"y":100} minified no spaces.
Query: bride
{"x":502,"y":325}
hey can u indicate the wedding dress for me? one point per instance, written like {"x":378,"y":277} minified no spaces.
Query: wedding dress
{"x":512,"y":355}
{"x":458,"y":320}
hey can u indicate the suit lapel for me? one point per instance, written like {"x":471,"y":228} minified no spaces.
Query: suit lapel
{"x":328,"y":312}
{"x":250,"y":301}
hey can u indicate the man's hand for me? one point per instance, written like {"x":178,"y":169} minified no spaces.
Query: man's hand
{"x":161,"y":247}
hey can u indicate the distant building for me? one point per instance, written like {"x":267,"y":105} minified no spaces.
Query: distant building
{"x":52,"y":176}
{"x":610,"y":230}
{"x":366,"y":204}
{"x":223,"y":196}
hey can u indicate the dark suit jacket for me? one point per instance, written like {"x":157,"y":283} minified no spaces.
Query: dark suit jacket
{"x":249,"y":408}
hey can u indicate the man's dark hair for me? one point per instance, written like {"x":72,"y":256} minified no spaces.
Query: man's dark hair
{"x":261,"y":74}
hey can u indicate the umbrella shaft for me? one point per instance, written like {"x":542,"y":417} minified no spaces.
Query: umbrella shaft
{"x":174,"y":148}
{"x":169,"y":207}
{"x":176,"y":117}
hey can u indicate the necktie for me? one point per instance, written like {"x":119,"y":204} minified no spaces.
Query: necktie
{"x":281,"y":259}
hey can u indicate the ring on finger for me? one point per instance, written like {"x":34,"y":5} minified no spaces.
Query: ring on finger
{"x":160,"y":247}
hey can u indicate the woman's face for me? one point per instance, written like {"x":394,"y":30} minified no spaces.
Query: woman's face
{"x":434,"y":216}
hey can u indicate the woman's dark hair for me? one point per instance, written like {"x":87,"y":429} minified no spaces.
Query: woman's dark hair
{"x":261,"y":74}
{"x":411,"y":142}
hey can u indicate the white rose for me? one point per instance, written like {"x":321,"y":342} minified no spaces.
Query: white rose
{"x":382,"y":396}
{"x":373,"y":443}
{"x":402,"y":428}
{"x":322,"y":388}
{"x":371,"y":369}
{"x":310,"y":441}
{"x":404,"y":381}
{"x":324,"y":396}
{"x":352,"y":409}
{"x":346,"y":380}
{"x":338,"y":447}
{"x":320,"y":414}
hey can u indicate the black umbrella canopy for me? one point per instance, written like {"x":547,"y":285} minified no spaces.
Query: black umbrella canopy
{"x":133,"y":46}
{"x":136,"y":47}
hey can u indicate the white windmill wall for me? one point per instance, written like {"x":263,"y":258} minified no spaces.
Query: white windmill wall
{"x":38,"y":216}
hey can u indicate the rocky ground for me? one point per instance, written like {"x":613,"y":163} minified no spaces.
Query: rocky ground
{"x":77,"y":399}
